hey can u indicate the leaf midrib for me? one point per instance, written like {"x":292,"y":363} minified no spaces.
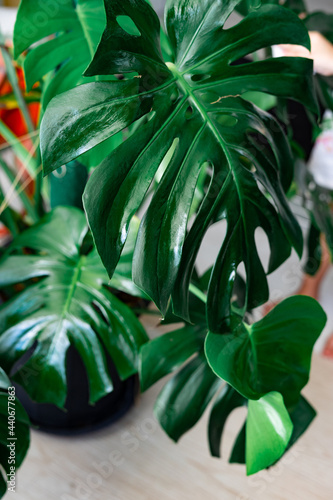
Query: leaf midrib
{"x":193,"y":99}
{"x":73,"y":285}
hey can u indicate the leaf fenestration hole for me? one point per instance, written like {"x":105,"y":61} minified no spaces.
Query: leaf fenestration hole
{"x":239,"y":288}
{"x":166,"y":160}
{"x":263,"y":246}
{"x":128,"y":25}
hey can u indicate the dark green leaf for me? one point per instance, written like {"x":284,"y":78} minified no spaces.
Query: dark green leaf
{"x":271,"y":355}
{"x":75,"y":28}
{"x":115,"y":104}
{"x":167,"y":353}
{"x":66,"y":302}
{"x":226,"y":402}
{"x":185,"y":397}
{"x":67,"y":185}
{"x":314,"y":256}
{"x":238,"y":451}
{"x":301,"y":417}
{"x":193,"y":106}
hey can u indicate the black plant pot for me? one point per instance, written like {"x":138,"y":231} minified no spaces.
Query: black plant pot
{"x":79,"y":416}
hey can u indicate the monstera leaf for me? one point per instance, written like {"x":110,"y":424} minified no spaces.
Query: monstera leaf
{"x":315,"y":21}
{"x":14,"y":433}
{"x":72,"y":31}
{"x":65,"y":301}
{"x":192,"y":106}
{"x":273,"y":354}
{"x":266,"y":370}
{"x":62,"y":37}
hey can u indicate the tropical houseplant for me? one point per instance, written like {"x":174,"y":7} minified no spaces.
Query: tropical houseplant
{"x":52,"y":277}
{"x":177,"y":98}
{"x":302,"y":140}
{"x":70,"y":281}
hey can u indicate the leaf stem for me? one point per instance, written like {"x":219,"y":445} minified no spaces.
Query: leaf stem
{"x":198,"y":293}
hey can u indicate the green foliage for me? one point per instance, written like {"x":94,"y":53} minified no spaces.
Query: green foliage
{"x":192,"y":132}
{"x":62,"y":38}
{"x":272,"y":354}
{"x":268,"y":431}
{"x":266,"y":366}
{"x":75,"y":29}
{"x":65,"y":301}
{"x":191,"y":104}
{"x":314,"y":21}
{"x":8,"y":404}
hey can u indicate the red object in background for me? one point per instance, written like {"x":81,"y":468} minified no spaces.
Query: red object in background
{"x":13,"y":117}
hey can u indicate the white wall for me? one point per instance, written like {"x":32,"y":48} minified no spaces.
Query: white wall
{"x":326,"y":5}
{"x":7,"y":20}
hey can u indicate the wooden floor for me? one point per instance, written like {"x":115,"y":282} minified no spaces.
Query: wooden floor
{"x":135,"y":460}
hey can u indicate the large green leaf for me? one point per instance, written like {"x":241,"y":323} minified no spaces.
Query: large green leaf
{"x":17,"y":434}
{"x":185,"y":397}
{"x":192,"y":104}
{"x":273,"y":354}
{"x":65,"y":302}
{"x":301,"y":417}
{"x":226,"y":402}
{"x":62,"y":37}
{"x":268,"y":431}
{"x":169,"y":352}
{"x":188,"y":392}
{"x":69,"y":31}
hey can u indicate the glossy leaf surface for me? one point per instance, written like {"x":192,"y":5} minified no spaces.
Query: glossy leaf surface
{"x":268,"y":431}
{"x":182,"y":401}
{"x":226,"y":402}
{"x":70,"y":32}
{"x":167,"y":353}
{"x":185,"y":397}
{"x":301,"y":417}
{"x":273,"y":354}
{"x":64,"y":302}
{"x":193,"y":105}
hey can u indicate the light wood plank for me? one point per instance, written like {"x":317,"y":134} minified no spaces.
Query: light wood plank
{"x":135,"y":460}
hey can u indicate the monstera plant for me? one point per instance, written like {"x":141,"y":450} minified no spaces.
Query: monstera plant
{"x":313,"y":195}
{"x":66,"y":302}
{"x":204,"y":154}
